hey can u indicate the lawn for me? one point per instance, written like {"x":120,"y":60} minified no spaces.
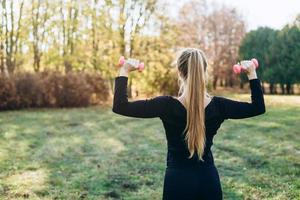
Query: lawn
{"x":93,"y":153}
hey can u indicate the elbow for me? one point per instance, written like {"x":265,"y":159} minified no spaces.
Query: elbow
{"x":261,"y":110}
{"x":115,"y":109}
{"x":264,"y":110}
{"x":118,"y":109}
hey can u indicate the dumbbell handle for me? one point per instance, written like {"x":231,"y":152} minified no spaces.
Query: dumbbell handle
{"x":140,"y":66}
{"x":238,"y":68}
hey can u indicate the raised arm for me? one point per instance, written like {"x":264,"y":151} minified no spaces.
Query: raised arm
{"x":148,"y":108}
{"x":231,"y":109}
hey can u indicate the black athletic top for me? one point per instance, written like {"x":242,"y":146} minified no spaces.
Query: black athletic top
{"x":173,"y":115}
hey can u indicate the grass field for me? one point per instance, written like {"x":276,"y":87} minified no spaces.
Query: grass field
{"x":93,"y":153}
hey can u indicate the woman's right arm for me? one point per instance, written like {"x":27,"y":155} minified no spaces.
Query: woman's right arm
{"x":231,"y":109}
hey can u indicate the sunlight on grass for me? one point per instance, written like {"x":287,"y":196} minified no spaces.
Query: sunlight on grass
{"x":3,"y":155}
{"x":10,"y":134}
{"x":274,"y":100}
{"x":26,"y":183}
{"x":113,"y":144}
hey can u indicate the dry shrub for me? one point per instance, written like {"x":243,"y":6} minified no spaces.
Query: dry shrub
{"x":99,"y":87}
{"x":74,"y":91}
{"x":52,"y":83}
{"x":30,"y":89}
{"x":8,"y":94}
{"x":52,"y":89}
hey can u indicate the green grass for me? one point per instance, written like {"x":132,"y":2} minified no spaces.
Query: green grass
{"x":92,"y":153}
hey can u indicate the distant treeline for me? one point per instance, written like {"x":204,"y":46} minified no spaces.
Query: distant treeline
{"x":278,"y":52}
{"x":90,"y":35}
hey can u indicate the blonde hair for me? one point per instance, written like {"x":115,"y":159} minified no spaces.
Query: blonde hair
{"x":192,"y":66}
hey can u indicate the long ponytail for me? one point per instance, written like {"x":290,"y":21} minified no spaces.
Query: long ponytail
{"x":194,"y":86}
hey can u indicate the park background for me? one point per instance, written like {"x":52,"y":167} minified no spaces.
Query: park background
{"x":59,"y":138}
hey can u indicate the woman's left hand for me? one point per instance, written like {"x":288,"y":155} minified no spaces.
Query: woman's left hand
{"x":129,"y":65}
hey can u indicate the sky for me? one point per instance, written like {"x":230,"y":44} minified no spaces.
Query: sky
{"x":271,"y":13}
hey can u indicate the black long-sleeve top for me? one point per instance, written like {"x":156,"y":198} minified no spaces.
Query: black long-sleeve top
{"x":173,"y":116}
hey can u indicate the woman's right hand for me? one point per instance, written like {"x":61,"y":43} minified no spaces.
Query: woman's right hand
{"x":251,"y":71}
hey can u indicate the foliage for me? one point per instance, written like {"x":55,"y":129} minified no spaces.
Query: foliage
{"x":278,"y":53}
{"x":257,"y":44}
{"x":8,"y":93}
{"x":218,"y":31}
{"x":285,"y":56}
{"x":71,"y":35}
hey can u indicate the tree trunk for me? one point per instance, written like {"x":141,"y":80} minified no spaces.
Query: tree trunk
{"x":282,"y":88}
{"x":292,"y":89}
{"x":215,"y":80}
{"x":36,"y":61}
{"x":272,"y":88}
{"x":2,"y":58}
{"x":1,"y":51}
{"x":221,"y":83}
{"x":226,"y":83}
{"x":68,"y":66}
{"x":241,"y":85}
{"x":10,"y":65}
{"x":288,"y":88}
{"x":231,"y":82}
{"x":275,"y":89}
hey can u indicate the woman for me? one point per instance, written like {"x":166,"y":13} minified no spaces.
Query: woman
{"x":190,"y":121}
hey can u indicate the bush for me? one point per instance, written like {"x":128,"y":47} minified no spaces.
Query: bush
{"x":8,"y":94}
{"x":73,"y":91}
{"x":52,"y":89}
{"x":99,"y":87}
{"x":29,"y":89}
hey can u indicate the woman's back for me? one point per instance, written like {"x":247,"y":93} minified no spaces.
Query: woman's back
{"x":188,"y":178}
{"x":190,"y":131}
{"x":174,"y":123}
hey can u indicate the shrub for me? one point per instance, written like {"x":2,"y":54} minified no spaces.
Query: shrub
{"x":30,"y":89}
{"x":8,"y":93}
{"x":99,"y":86}
{"x":73,"y":91}
{"x":52,"y":89}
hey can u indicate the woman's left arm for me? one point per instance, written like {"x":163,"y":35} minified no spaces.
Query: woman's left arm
{"x":148,"y":108}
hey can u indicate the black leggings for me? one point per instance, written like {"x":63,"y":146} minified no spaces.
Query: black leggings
{"x":202,"y":183}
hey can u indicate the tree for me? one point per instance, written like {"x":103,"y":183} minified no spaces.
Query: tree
{"x":2,"y":39}
{"x":10,"y":33}
{"x":285,"y":58}
{"x":227,"y":30}
{"x":39,"y":19}
{"x":218,"y":31}
{"x":257,"y":44}
{"x":157,"y":52}
{"x":133,"y":18}
{"x":69,"y":11}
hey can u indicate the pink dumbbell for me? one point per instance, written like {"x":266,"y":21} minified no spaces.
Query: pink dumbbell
{"x":240,"y":67}
{"x":140,"y":66}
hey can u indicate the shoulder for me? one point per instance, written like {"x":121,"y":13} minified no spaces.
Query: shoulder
{"x":220,"y":99}
{"x":218,"y":102}
{"x":161,"y":100}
